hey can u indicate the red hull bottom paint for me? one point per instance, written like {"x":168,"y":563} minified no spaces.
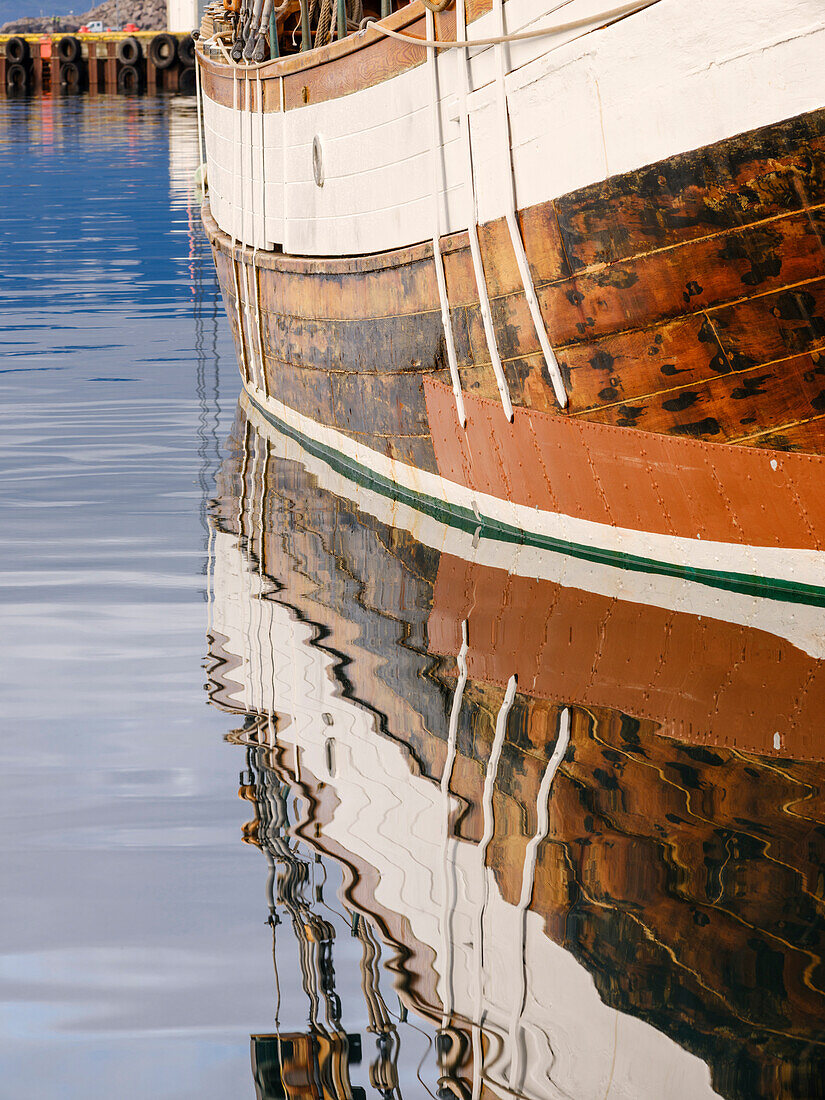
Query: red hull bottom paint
{"x":630,"y":479}
{"x":702,"y":680}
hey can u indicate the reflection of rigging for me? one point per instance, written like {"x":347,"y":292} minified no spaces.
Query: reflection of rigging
{"x":313,"y":1065}
{"x":563,"y":893}
{"x":207,"y":357}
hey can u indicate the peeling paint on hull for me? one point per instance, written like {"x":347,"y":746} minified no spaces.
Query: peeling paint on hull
{"x":693,"y":442}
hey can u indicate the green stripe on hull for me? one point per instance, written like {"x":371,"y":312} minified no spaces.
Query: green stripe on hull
{"x":464,"y":519}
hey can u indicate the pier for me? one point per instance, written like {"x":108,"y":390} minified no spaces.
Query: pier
{"x":113,"y":62}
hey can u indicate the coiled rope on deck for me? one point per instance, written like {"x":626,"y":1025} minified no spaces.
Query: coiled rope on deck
{"x":325,"y":9}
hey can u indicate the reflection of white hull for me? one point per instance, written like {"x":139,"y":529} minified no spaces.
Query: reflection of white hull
{"x":549,"y":1033}
{"x":800,"y":624}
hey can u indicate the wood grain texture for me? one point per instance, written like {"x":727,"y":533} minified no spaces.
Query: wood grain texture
{"x":748,"y":179}
{"x":332,"y":71}
{"x":714,"y":328}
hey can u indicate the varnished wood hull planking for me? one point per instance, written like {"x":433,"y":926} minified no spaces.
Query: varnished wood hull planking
{"x":687,"y":298}
{"x":686,"y":303}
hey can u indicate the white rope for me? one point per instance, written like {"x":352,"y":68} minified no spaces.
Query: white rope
{"x":522,"y":36}
{"x":506,"y":161}
{"x":437,"y":161}
{"x":260,"y":106}
{"x":238,"y":302}
{"x":241,"y":121}
{"x":591,"y":21}
{"x":472,"y":218}
{"x":258,"y":326}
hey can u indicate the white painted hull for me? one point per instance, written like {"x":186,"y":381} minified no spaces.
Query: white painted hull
{"x":581,"y":106}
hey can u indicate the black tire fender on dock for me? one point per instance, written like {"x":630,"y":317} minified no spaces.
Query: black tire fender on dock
{"x":17,"y":77}
{"x":17,"y":49}
{"x":186,"y":51}
{"x":70,"y":75}
{"x":68,"y":48}
{"x":163,"y":49}
{"x":128,"y":79}
{"x":129,"y":51}
{"x":186,"y":82}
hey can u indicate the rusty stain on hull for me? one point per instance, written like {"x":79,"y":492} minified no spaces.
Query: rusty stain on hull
{"x":685,"y":299}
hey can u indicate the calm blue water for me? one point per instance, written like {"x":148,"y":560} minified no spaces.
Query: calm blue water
{"x":135,"y":958}
{"x":639,"y":916}
{"x":133,"y":954}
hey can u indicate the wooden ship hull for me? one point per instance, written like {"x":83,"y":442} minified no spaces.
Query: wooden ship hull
{"x":569,"y":290}
{"x":640,"y":859}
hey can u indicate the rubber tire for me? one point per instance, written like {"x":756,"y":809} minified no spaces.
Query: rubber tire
{"x":17,"y":77}
{"x":128,"y":80}
{"x":17,"y":50}
{"x":71,"y":76}
{"x":68,"y":48}
{"x":163,"y":50}
{"x":186,"y":82}
{"x":129,"y":51}
{"x":186,"y":51}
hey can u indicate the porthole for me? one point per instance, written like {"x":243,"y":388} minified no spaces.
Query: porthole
{"x":317,"y":161}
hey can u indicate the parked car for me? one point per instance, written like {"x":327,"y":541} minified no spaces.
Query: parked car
{"x":95,"y":27}
{"x":130,"y":28}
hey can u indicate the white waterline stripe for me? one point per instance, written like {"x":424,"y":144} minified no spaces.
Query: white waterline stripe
{"x":791,"y":566}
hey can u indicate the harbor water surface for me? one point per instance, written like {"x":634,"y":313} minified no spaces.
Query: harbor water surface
{"x":506,"y":827}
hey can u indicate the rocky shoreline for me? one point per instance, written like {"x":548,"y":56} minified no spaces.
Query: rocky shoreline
{"x":147,"y":15}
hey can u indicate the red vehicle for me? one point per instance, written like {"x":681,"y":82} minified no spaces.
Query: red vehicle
{"x":131,"y":28}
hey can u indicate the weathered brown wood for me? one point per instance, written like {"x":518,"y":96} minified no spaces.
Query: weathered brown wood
{"x":635,"y":364}
{"x":730,"y":407}
{"x":388,"y":345}
{"x":738,"y":182}
{"x":773,"y":326}
{"x":641,"y":292}
{"x":804,"y":435}
{"x":354,"y":63}
{"x":405,"y":290}
{"x":672,"y":340}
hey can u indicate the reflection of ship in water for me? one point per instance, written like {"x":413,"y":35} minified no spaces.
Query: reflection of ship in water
{"x":289,"y":1065}
{"x":587,"y":821}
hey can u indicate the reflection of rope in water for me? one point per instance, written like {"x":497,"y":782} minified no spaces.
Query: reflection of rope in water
{"x":484,"y":844}
{"x":448,"y":864}
{"x":208,"y":389}
{"x":528,"y":878}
